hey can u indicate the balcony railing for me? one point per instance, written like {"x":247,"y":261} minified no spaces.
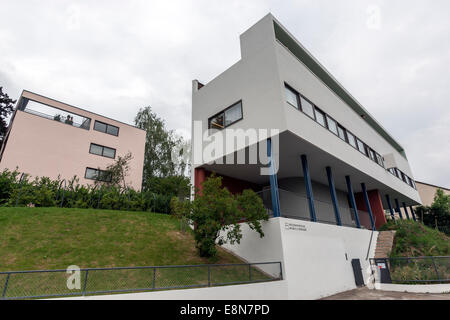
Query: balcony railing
{"x":296,"y":206}
{"x":85,"y":124}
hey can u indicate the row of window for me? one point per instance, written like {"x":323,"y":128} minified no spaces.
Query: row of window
{"x":97,"y":174}
{"x":402,"y":176}
{"x":306,"y":106}
{"x":106,"y":128}
{"x":226,"y":117}
{"x":102,"y":151}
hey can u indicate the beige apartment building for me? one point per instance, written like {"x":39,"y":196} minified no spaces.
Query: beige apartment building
{"x":428,"y":191}
{"x":50,"y":138}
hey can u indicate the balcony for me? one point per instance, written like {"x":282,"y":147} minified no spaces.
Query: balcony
{"x":55,"y":114}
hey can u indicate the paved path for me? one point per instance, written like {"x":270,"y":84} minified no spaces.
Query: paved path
{"x":366,"y":294}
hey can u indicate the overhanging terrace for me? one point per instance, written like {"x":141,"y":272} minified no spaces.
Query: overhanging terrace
{"x":312,"y":64}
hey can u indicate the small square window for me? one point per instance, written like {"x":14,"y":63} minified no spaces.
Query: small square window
{"x":217,"y":122}
{"x":91,"y":173}
{"x":112,"y":130}
{"x":108,"y":152}
{"x":100,"y":126}
{"x":352,"y":140}
{"x":361,"y":147}
{"x":341,"y":133}
{"x":96,"y":149}
{"x":233,"y":114}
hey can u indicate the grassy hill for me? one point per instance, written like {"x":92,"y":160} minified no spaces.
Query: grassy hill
{"x":54,"y":238}
{"x":416,"y":240}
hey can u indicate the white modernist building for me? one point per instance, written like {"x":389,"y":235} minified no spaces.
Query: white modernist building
{"x":335,"y":172}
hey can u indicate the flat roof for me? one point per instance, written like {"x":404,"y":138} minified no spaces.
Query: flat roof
{"x":293,"y":45}
{"x":72,"y":106}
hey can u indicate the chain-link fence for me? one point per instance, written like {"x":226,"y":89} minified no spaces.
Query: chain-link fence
{"x":81,"y":282}
{"x":423,"y":270}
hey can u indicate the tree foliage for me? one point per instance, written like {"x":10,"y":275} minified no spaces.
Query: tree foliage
{"x":438,"y":214}
{"x":6,"y":108}
{"x":217,"y":215}
{"x":116,"y":173}
{"x":160,"y":143}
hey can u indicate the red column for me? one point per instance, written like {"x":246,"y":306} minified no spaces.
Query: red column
{"x":376,"y":204}
{"x":199,"y":178}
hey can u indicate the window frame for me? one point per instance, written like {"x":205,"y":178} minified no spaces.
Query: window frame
{"x":297,"y":96}
{"x":328,"y":125}
{"x":344,"y":131}
{"x":97,"y":171}
{"x":106,"y":130}
{"x":224,"y":120}
{"x":103,"y":150}
{"x":354,"y":139}
{"x":318,"y":110}
{"x":312,"y":105}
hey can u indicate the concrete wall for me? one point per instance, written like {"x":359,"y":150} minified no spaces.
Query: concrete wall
{"x":316,"y":257}
{"x":43,"y":147}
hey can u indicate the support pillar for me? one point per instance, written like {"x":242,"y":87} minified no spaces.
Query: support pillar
{"x":369,"y":209}
{"x":391,"y":210}
{"x":397,"y":204}
{"x":351,"y":196}
{"x":406,"y":211}
{"x":273,"y":182}
{"x":413,"y":213}
{"x":309,"y":192}
{"x":333,"y":196}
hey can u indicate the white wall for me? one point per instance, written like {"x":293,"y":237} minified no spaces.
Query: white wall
{"x":313,"y":254}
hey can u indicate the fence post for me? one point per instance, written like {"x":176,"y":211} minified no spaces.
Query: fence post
{"x":209,"y":275}
{"x":85,"y":282}
{"x":154,"y":278}
{"x":436,"y":269}
{"x":6,"y":286}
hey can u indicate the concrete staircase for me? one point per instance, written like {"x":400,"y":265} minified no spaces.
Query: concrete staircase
{"x":385,"y":242}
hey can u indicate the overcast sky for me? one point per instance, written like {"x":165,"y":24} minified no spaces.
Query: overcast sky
{"x":114,"y":57}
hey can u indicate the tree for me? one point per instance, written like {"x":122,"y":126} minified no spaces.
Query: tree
{"x":438,"y":214}
{"x":116,"y":173}
{"x":6,"y":108}
{"x":217,"y":213}
{"x":160,"y":144}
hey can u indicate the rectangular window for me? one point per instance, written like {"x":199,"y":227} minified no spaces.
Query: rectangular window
{"x":227,"y":117}
{"x":371,"y":154}
{"x":233,"y":114}
{"x":352,"y":140}
{"x":332,"y":125}
{"x":307,"y":107}
{"x":291,"y":96}
{"x":404,"y":177}
{"x":320,"y":118}
{"x":106,"y":128}
{"x":380,"y":159}
{"x":95,"y":174}
{"x":102,"y":151}
{"x":361,"y":147}
{"x":341,"y":133}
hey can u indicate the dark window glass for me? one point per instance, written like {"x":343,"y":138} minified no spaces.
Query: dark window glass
{"x":112,"y":130}
{"x":332,"y":125}
{"x":217,"y":122}
{"x":96,"y":149}
{"x":404,"y":178}
{"x":291,"y":96}
{"x":341,"y":133}
{"x":307,"y":107}
{"x":320,"y":118}
{"x":380,"y":160}
{"x":352,"y":140}
{"x":371,"y":154}
{"x":108,"y":152}
{"x":100,"y":126}
{"x":91,"y":174}
{"x":233,"y":114}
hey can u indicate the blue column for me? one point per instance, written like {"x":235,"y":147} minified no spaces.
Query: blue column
{"x":333,"y":196}
{"x":273,"y":182}
{"x":397,"y":204}
{"x":309,"y":192}
{"x":406,"y":211}
{"x":351,"y":196}
{"x":369,"y":208}
{"x":391,"y":210}
{"x":413,"y":213}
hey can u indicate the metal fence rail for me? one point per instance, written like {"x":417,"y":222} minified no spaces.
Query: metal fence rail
{"x":417,"y":270}
{"x":54,"y":283}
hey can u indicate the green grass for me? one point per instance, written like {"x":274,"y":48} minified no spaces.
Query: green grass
{"x":55,"y":238}
{"x":413,"y":239}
